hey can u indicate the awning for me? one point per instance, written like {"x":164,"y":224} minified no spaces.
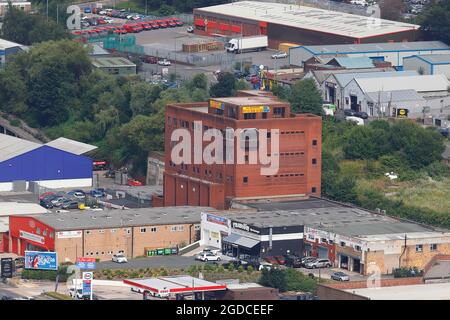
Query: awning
{"x":241,"y":241}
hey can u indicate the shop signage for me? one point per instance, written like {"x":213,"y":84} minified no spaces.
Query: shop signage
{"x":161,"y":252}
{"x":244,"y":227}
{"x":31,"y":236}
{"x":87,"y":284}
{"x":216,"y":104}
{"x":7,"y":268}
{"x":69,"y":234}
{"x":216,"y":219}
{"x":86,"y":263}
{"x":402,"y":113}
{"x":255,"y":109}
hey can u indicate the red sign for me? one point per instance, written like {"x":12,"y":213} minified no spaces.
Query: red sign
{"x":82,"y":259}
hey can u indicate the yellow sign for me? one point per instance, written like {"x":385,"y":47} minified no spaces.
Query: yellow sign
{"x":255,"y":109}
{"x":216,"y":104}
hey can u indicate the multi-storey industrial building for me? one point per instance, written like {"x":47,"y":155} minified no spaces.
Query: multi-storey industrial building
{"x":219,"y":184}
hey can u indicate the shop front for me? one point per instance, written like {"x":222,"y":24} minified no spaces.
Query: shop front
{"x":241,"y":247}
{"x":213,"y":229}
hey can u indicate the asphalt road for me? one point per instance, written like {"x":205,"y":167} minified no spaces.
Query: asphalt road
{"x":151,"y":262}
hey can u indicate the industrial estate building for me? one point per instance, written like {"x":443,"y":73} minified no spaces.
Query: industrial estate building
{"x":392,"y":52}
{"x":8,"y":48}
{"x":428,"y":64}
{"x":218,"y":184}
{"x":100,"y":234}
{"x":352,"y":238}
{"x":298,"y":24}
{"x":114,"y":65}
{"x":57,"y":164}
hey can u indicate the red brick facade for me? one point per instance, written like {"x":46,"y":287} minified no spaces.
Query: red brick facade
{"x":215,"y":185}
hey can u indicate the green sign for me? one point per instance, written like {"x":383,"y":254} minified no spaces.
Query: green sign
{"x":161,"y":252}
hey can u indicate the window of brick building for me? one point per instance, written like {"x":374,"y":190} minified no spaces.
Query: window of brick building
{"x":153,"y":229}
{"x":248,"y":116}
{"x":314,"y":161}
{"x":433,"y":247}
{"x":143,"y":230}
{"x":245,"y":179}
{"x":419,"y":248}
{"x":314,"y":142}
{"x":313,"y":189}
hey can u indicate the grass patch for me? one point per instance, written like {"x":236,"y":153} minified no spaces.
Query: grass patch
{"x":57,"y":295}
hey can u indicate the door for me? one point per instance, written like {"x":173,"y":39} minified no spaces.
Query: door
{"x":354,"y":103}
{"x":322,"y":252}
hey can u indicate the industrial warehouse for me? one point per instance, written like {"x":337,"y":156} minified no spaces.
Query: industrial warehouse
{"x":101,"y":234}
{"x":352,"y":238}
{"x":285,"y":23}
{"x":57,"y":164}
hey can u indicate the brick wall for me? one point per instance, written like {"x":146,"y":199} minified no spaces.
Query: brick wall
{"x":329,"y":293}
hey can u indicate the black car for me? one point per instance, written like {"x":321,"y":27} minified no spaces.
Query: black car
{"x":361,"y":115}
{"x":70,"y":205}
{"x":46,"y":204}
{"x":350,"y":113}
{"x":293,"y":261}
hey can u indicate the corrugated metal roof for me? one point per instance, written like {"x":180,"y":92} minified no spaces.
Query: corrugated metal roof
{"x":309,"y":18}
{"x":354,"y":62}
{"x":344,"y":78}
{"x":71,"y":146}
{"x":11,"y":147}
{"x":378,"y":47}
{"x":425,"y":83}
{"x":5,"y":44}
{"x":19,"y":208}
{"x":394,"y":96}
{"x":321,"y":75}
{"x":434,"y":58}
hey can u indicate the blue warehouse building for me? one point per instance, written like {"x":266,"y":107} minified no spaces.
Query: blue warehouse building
{"x":56,"y":164}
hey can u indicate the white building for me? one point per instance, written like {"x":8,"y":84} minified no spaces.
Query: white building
{"x":360,"y":93}
{"x":390,"y":52}
{"x":429,"y":64}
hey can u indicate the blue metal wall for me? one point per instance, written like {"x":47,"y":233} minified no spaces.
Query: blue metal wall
{"x":46,"y":163}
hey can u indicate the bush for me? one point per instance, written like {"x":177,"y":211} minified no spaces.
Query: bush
{"x":241,"y":269}
{"x":407,"y":272}
{"x":250,"y":269}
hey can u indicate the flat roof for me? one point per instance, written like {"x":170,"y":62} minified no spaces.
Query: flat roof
{"x":250,"y":100}
{"x":433,"y":58}
{"x":176,"y":284}
{"x":431,"y":291}
{"x":322,"y":214}
{"x":309,"y":18}
{"x":87,"y":220}
{"x":376,"y":47}
{"x":112,"y":62}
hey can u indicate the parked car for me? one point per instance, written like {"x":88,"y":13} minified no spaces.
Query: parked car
{"x":293,"y":261}
{"x":119,"y":258}
{"x":319,"y":263}
{"x":271,"y":259}
{"x":207,"y":256}
{"x":281,"y":260}
{"x":96,"y":193}
{"x":69,"y":205}
{"x":149,"y":59}
{"x":279,"y":55}
{"x":306,"y":260}
{"x":76,"y":194}
{"x":45,"y":194}
{"x":58,"y":201}
{"x":236,"y":264}
{"x":46,"y":204}
{"x":264,"y":265}
{"x":340,"y":276}
{"x":349,"y":112}
{"x":76,"y":293}
{"x":164,"y":62}
{"x":212,"y":250}
{"x":362,"y":115}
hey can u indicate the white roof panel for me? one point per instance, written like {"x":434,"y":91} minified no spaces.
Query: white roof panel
{"x":19,"y":208}
{"x":320,"y":20}
{"x":425,"y":83}
{"x":11,"y":147}
{"x":71,"y":146}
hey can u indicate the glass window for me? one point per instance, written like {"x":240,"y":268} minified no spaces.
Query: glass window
{"x":433,"y":247}
{"x":419,"y":248}
{"x":143,"y":230}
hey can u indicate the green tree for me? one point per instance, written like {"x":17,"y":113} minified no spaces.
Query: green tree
{"x":28,"y":29}
{"x":274,"y":278}
{"x":435,"y":21}
{"x":420,"y":147}
{"x":306,"y":98}
{"x":366,"y":142}
{"x":224,"y":87}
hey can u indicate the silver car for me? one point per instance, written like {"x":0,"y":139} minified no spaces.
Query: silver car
{"x":319,"y":263}
{"x":340,"y":276}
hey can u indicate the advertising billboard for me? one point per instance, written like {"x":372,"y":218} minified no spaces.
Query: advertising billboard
{"x":41,"y":260}
{"x":7,"y":268}
{"x":87,"y":284}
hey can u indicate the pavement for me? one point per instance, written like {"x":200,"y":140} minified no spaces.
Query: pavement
{"x":151,"y":262}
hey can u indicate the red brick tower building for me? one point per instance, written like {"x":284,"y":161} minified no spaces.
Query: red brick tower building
{"x":215,"y":185}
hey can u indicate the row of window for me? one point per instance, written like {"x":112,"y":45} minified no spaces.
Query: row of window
{"x":286,"y":175}
{"x":44,"y":233}
{"x":433,"y":247}
{"x":128,"y":231}
{"x":110,"y":253}
{"x":154,"y":229}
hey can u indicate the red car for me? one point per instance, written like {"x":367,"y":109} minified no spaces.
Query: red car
{"x":271,"y":260}
{"x":162,"y":23}
{"x":45,"y":194}
{"x":145,"y":25}
{"x":149,"y":59}
{"x":134,"y":183}
{"x":154,"y":25}
{"x":177,"y":21}
{"x":281,"y":260}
